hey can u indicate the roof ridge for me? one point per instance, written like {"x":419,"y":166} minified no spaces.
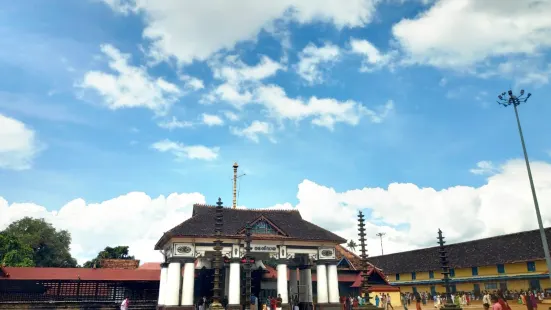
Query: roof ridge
{"x":246,"y":209}
{"x":468,"y":241}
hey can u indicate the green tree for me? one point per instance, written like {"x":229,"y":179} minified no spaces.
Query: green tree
{"x":352,"y":245}
{"x":118,"y":252}
{"x":13,"y":253}
{"x":50,"y":247}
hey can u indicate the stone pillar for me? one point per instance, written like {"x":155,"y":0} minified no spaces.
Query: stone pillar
{"x":321,"y":274}
{"x":282,"y":282}
{"x":333,"y":283}
{"x":188,"y":283}
{"x":172,"y":293}
{"x":234,"y":291}
{"x":226,"y":281}
{"x":163,"y":284}
{"x":305,"y":285}
{"x":293,"y":282}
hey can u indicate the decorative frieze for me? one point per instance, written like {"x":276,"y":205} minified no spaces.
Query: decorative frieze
{"x":183,"y":249}
{"x":326,"y":253}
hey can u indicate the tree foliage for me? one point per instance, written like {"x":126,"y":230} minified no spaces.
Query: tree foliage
{"x":49,"y":247}
{"x":13,"y":253}
{"x":352,"y":245}
{"x":118,"y":252}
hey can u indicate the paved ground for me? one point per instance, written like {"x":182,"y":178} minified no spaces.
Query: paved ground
{"x":478,"y":305}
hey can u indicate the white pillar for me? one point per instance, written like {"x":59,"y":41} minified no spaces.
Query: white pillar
{"x":321,"y":274}
{"x":188,"y":283}
{"x":333,"y":283}
{"x":226,"y":282}
{"x":282,"y":283}
{"x":172,"y":292}
{"x":293,"y":281}
{"x":306,"y":285}
{"x":234,"y":292}
{"x":162,"y":284}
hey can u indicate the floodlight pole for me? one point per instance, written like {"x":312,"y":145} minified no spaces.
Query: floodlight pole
{"x":507,"y":99}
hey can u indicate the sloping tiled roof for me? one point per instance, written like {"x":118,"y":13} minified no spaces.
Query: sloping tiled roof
{"x":517,"y":247}
{"x":201,"y":224}
{"x":38,"y":273}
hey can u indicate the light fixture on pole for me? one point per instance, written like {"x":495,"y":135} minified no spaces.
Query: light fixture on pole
{"x":380,"y":235}
{"x":506,"y":99}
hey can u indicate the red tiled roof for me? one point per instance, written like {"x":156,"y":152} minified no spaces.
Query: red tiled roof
{"x":37,"y":273}
{"x":151,"y":266}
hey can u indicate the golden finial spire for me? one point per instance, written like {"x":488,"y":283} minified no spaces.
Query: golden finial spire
{"x":235,"y":166}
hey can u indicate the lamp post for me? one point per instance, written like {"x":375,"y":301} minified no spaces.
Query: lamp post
{"x":380,"y":235}
{"x":507,"y":99}
{"x":365,"y":287}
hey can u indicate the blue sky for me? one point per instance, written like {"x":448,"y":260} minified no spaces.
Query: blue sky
{"x":423,"y":107}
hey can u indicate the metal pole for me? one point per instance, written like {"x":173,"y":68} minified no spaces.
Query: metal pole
{"x":536,"y":205}
{"x":380,"y":235}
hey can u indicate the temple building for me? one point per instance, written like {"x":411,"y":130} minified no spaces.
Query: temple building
{"x":281,"y":238}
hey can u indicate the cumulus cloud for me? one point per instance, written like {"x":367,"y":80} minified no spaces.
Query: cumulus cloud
{"x":93,"y":226}
{"x":254,"y":130}
{"x":468,"y":34}
{"x":182,"y":151}
{"x":373,"y":59}
{"x":18,"y":144}
{"x":130,"y":86}
{"x":212,"y":120}
{"x":312,"y":57}
{"x":192,"y":30}
{"x":409,"y":215}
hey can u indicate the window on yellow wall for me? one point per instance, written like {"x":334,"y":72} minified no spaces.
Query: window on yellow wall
{"x":397,"y":277}
{"x":500,"y":268}
{"x":413,"y":276}
{"x":452,"y":272}
{"x":490,"y":286}
{"x":431,"y":274}
{"x":531,"y":266}
{"x":475,"y":271}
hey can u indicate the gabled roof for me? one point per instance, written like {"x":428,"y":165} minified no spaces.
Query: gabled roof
{"x":263,"y":218}
{"x":105,"y":274}
{"x":201,"y":224}
{"x":518,"y":247}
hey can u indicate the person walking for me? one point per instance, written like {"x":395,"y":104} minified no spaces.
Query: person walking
{"x":125,"y":303}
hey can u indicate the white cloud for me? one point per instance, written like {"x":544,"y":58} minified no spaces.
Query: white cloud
{"x":130,"y":86}
{"x":192,"y":30}
{"x":484,"y":167}
{"x":181,"y":151}
{"x":461,"y":34}
{"x":325,"y":112}
{"x":18,"y":144}
{"x":192,"y":83}
{"x":239,"y":79}
{"x":174,"y":123}
{"x":443,"y":82}
{"x":373,"y":58}
{"x":462,"y":212}
{"x":93,"y":226}
{"x":231,"y":116}
{"x":212,"y":120}
{"x":254,"y":130}
{"x":312,"y":57}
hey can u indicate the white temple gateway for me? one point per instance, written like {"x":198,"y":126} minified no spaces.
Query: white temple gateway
{"x":280,"y":237}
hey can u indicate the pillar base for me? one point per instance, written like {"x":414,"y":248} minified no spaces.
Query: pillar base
{"x":286,"y":307}
{"x":305,"y":305}
{"x":234,"y":307}
{"x":450,"y":307}
{"x":328,"y":306}
{"x":216,"y":306}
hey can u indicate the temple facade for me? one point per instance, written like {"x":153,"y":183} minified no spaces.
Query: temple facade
{"x":280,"y":238}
